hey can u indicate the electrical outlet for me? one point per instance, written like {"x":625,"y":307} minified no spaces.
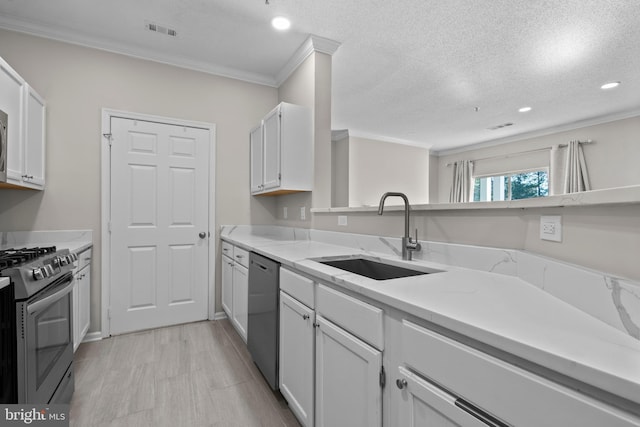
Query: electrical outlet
{"x":285,"y":214}
{"x":303,"y":213}
{"x":551,"y":228}
{"x":342,"y":220}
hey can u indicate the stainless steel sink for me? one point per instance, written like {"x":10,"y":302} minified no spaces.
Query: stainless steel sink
{"x":374,"y":269}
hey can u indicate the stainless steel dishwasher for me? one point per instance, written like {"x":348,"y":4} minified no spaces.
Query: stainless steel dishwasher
{"x":262,"y":328}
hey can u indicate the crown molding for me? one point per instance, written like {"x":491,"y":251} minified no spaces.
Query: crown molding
{"x":48,"y":32}
{"x":542,"y":132}
{"x":389,"y":139}
{"x":312,"y":44}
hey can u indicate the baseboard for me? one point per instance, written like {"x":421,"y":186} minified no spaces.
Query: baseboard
{"x":92,"y":336}
{"x":220,"y":315}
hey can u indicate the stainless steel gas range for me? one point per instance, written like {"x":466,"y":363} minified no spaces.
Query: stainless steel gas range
{"x":36,"y":326}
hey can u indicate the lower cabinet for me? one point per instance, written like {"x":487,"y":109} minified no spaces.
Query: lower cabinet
{"x":329,"y":375}
{"x":240,"y":298}
{"x":235,"y":286}
{"x":81,"y":298}
{"x":348,"y":389}
{"x":297,"y":355}
{"x":227,"y":285}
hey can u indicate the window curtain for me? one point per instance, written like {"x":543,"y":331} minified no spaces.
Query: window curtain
{"x":576,"y":177}
{"x":462,"y":186}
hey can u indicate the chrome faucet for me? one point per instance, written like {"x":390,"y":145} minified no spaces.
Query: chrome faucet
{"x":408,"y":245}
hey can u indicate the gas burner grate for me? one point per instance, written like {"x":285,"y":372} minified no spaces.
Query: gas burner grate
{"x":14,"y":257}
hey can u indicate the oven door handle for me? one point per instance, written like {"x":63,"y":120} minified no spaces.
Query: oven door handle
{"x":50,"y":299}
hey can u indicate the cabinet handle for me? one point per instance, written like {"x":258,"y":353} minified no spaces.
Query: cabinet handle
{"x":305,"y":316}
{"x":401,"y":383}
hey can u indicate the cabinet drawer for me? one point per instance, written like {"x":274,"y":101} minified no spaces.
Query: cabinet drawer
{"x":512,"y":394}
{"x":241,"y":256}
{"x":299,"y":287}
{"x":361,"y":319}
{"x":227,"y":249}
{"x":84,"y":258}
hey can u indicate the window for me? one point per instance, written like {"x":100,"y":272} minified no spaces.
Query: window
{"x":523,"y":185}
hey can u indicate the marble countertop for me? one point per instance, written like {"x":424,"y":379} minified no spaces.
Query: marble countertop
{"x":502,"y":311}
{"x":74,"y":240}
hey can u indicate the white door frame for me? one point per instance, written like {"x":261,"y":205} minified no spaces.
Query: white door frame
{"x":107,"y":114}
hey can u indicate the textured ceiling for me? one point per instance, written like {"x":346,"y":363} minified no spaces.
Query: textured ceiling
{"x":406,"y":70}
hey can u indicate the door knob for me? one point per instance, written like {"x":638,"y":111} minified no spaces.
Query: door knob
{"x":202,"y":235}
{"x":401,"y":383}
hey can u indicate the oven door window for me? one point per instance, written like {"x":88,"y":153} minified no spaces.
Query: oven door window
{"x":53,"y":336}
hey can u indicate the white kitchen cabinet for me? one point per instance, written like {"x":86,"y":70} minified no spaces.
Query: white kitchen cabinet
{"x":240,"y":299}
{"x":81,"y":297}
{"x":282,"y":151}
{"x":348,"y":371}
{"x":34,"y":140}
{"x":256,"y":167}
{"x":296,"y":373}
{"x":227,"y":285}
{"x":25,"y":131}
{"x":488,"y":387}
{"x":235,"y":286}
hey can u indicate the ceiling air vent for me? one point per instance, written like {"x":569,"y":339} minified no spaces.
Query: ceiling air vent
{"x":503,"y":125}
{"x":157,"y":28}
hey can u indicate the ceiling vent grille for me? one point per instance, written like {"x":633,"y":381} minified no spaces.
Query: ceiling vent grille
{"x":157,"y":28}
{"x":503,"y":125}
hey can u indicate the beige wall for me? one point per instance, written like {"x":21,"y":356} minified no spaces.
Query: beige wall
{"x":379,"y":166}
{"x":77,"y":83}
{"x":611,"y":160}
{"x":602,"y":238}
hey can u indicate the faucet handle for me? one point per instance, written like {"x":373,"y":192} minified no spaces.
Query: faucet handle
{"x":414,"y":245}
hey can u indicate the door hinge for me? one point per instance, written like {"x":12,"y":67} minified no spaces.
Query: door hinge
{"x":109,"y":226}
{"x":383,"y":377}
{"x":109,"y":313}
{"x":279,"y":177}
{"x":109,"y":137}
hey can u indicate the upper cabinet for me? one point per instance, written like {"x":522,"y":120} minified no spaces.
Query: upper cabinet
{"x":25,"y":151}
{"x":282,"y":151}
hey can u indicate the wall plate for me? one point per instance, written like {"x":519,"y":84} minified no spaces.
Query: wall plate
{"x":551,"y":228}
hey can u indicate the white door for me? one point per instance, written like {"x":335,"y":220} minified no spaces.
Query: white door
{"x":348,"y":391}
{"x":297,"y":357}
{"x":159,"y":224}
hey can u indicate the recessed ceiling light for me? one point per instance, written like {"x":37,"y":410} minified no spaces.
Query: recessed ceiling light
{"x":610,"y":85}
{"x":281,"y":23}
{"x":524,"y":109}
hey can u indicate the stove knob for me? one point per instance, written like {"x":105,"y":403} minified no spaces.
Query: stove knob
{"x":49,"y":270}
{"x":73,"y":257}
{"x":38,"y":274}
{"x":64,"y":260}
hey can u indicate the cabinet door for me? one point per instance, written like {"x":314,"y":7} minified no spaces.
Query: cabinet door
{"x":240,"y":299}
{"x":84,"y":302}
{"x":256,"y":159}
{"x":227,"y":286}
{"x":297,"y":357}
{"x":425,"y":405}
{"x":271,"y":147}
{"x":348,"y":391}
{"x":75,"y":302}
{"x":12,"y":103}
{"x":34,"y":139}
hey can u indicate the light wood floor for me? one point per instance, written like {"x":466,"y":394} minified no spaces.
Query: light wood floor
{"x":198,"y":374}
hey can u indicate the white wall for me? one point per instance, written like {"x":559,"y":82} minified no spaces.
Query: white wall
{"x":377,"y":166}
{"x":611,"y":160}
{"x":77,"y":82}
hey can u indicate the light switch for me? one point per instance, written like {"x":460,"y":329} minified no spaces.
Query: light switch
{"x":303,"y":213}
{"x":285,"y":214}
{"x":551,"y":228}
{"x":342,"y":220}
